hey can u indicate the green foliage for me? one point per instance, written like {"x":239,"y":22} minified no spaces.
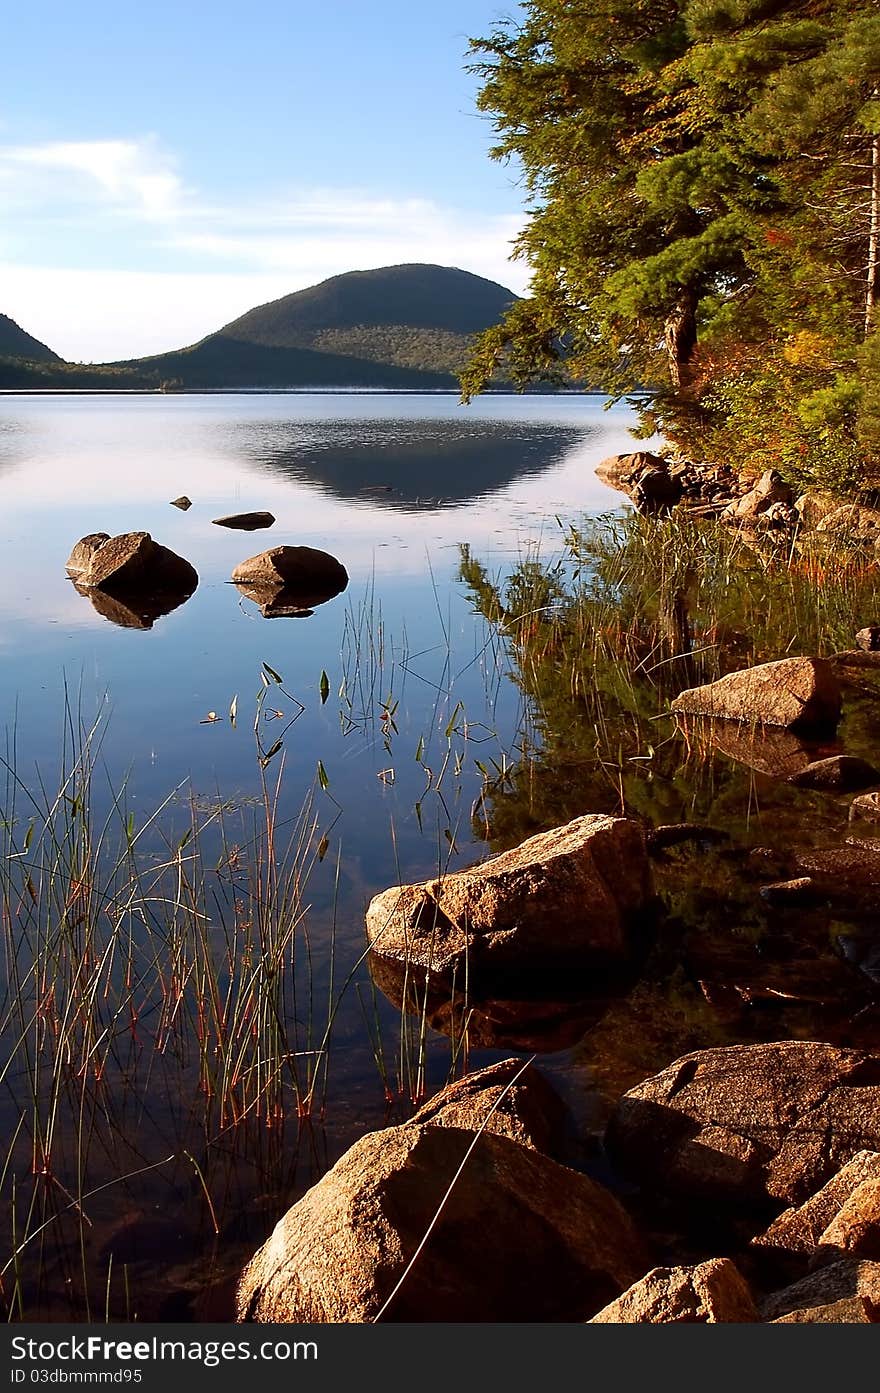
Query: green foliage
{"x":704,"y":196}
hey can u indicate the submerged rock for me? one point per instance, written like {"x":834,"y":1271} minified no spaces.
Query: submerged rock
{"x":563,"y":896}
{"x":708,"y":1293}
{"x":800,"y":694}
{"x":837,"y":774}
{"x":245,"y":522}
{"x":304,"y":570}
{"x":518,"y":1237}
{"x":749,"y":1123}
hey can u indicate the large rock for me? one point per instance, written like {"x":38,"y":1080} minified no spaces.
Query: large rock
{"x":749,"y":1123}
{"x":797,"y":1232}
{"x":131,"y":564}
{"x":800,"y":694}
{"x":852,"y":522}
{"x":769,"y":489}
{"x":529,"y":1111}
{"x":303,"y":570}
{"x":812,"y":507}
{"x":855,"y":1229}
{"x":621,"y":471}
{"x":563,"y":896}
{"x":518,"y":1238}
{"x":846,"y":1293}
{"x":707,"y":1294}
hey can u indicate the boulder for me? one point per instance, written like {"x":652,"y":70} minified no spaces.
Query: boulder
{"x":866,"y":806}
{"x":80,"y":558}
{"x":853,"y":522}
{"x":131,"y":564}
{"x":814,"y":506}
{"x":868,"y":639}
{"x":855,"y":1229}
{"x":245,"y":522}
{"x":845,"y":1293}
{"x":621,"y":471}
{"x":708,"y":1293}
{"x":528,"y":1111}
{"x":797,"y":1232}
{"x":564,"y":896}
{"x":769,"y":489}
{"x":302,"y":570}
{"x":749,"y":1123}
{"x":799,"y":694}
{"x":836,"y":774}
{"x":517,"y":1237}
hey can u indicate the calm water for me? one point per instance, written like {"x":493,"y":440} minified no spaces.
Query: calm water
{"x":392,"y":486}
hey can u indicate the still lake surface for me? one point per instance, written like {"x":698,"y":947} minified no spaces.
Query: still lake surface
{"x":393,"y":677}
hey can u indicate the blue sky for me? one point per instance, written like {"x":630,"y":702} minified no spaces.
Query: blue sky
{"x":165,"y":167}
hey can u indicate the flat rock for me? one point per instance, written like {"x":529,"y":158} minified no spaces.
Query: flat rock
{"x":245,"y":522}
{"x":518,"y":1237}
{"x":563,"y":896}
{"x":846,"y":1292}
{"x":302,"y":570}
{"x":837,"y":774}
{"x":796,"y":693}
{"x":707,"y":1293}
{"x":749,"y":1123}
{"x":797,"y":1231}
{"x":183,"y":503}
{"x":528,"y":1111}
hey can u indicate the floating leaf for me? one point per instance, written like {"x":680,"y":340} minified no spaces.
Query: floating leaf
{"x":233,"y":710}
{"x":28,"y":835}
{"x":323,"y":846}
{"x":324,"y":687}
{"x":322,"y":776}
{"x":276,"y":677}
{"x":420,"y":749}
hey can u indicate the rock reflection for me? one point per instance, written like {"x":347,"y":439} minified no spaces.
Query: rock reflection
{"x":544,"y":1024}
{"x":133,"y":610}
{"x":768,"y":750}
{"x":287,"y":601}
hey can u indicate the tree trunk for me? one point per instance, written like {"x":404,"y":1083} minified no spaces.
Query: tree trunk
{"x":873,"y":236}
{"x":680,"y":337}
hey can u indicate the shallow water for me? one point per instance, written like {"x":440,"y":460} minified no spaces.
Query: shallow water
{"x":390,"y":485}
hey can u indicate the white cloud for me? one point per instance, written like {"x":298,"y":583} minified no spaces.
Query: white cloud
{"x":218,"y":259}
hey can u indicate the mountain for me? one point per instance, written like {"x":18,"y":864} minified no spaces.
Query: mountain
{"x":397,"y":327}
{"x":16,"y":343}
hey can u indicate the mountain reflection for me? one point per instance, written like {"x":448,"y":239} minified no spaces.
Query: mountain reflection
{"x":405,"y":464}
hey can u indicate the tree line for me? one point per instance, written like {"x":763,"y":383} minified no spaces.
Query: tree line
{"x":703,"y":186}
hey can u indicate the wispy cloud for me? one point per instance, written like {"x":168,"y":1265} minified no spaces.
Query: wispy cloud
{"x":66,"y":200}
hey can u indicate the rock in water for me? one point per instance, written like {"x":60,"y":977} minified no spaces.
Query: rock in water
{"x":562,"y":896}
{"x":706,"y":1294}
{"x":797,"y":693}
{"x":301,"y":570}
{"x":80,"y":558}
{"x":131,"y":564}
{"x":518,"y":1238}
{"x":245,"y":522}
{"x":748,"y":1123}
{"x":183,"y":503}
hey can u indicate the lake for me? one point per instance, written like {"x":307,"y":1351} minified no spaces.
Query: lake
{"x":368,"y":725}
